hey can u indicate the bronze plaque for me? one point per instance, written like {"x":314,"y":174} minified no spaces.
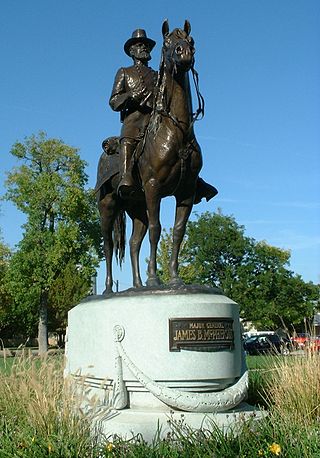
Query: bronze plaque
{"x":201,"y":334}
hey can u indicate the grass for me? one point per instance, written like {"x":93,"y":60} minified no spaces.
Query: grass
{"x":5,"y":365}
{"x":40,"y":416}
{"x":294,"y":386}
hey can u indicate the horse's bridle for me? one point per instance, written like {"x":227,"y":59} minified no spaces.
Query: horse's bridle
{"x":165,"y":112}
{"x":158,"y":111}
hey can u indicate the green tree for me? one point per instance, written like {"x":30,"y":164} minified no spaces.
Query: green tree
{"x":256,"y":275}
{"x":67,"y":290}
{"x":5,"y":297}
{"x":187,"y":269}
{"x":214,"y":248}
{"x":62,"y":223}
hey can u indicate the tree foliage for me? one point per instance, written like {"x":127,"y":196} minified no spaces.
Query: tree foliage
{"x":62,"y":227}
{"x":72,"y":285}
{"x":256,"y":275}
{"x":5,"y":297}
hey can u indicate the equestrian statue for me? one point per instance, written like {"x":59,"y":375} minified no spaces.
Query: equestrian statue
{"x":157,"y":154}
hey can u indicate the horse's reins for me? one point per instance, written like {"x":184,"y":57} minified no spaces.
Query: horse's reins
{"x":163,"y":111}
{"x":168,"y":114}
{"x":200,"y":110}
{"x":195,"y":116}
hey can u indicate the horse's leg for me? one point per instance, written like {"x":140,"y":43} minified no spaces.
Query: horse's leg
{"x":108,"y":213}
{"x":139,"y":229}
{"x":153,"y":210}
{"x":183,"y":210}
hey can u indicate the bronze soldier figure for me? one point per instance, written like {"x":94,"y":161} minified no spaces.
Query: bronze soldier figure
{"x":132,"y":95}
{"x":170,"y":158}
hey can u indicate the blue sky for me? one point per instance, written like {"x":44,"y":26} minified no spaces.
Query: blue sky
{"x":259,"y":68}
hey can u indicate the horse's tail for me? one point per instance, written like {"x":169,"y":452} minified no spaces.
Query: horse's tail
{"x":119,"y":236}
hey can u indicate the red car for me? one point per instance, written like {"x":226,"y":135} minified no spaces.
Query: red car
{"x":300,"y":340}
{"x":313,"y":344}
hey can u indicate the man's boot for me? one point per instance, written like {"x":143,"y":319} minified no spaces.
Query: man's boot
{"x":126,"y":186}
{"x":204,"y":189}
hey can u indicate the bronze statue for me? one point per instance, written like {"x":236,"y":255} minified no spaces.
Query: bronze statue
{"x":132,"y":95}
{"x":157,"y":154}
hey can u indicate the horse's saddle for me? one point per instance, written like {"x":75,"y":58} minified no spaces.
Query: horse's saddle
{"x":109,"y":166}
{"x":109,"y":161}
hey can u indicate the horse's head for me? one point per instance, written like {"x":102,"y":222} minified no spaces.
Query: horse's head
{"x":178,"y":47}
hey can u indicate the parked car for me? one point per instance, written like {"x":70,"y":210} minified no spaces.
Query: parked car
{"x":266,"y":343}
{"x":312,"y":344}
{"x":299,"y":341}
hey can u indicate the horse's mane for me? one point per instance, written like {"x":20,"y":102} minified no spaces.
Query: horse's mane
{"x":160,"y":101}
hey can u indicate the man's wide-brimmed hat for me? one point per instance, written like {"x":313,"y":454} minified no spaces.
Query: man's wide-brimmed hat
{"x":138,"y":36}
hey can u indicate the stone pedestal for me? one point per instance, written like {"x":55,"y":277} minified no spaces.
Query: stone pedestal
{"x":151,"y":424}
{"x":145,"y":353}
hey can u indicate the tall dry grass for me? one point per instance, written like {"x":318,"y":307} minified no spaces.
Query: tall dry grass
{"x":293,"y":388}
{"x":40,"y":411}
{"x":41,"y":416}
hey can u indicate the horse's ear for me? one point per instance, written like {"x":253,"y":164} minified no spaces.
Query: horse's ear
{"x":165,"y":28}
{"x":187,"y":27}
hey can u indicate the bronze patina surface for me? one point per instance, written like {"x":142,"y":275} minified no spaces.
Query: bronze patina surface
{"x":156,"y":155}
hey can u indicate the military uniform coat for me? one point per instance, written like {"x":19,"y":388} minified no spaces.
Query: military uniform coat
{"x":131,"y":96}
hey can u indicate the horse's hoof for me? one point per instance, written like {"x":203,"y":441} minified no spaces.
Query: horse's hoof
{"x":176,"y":281}
{"x":107,"y":291}
{"x":153,"y":281}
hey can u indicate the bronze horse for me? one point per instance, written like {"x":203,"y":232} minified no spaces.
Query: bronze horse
{"x":113,"y":211}
{"x":167,"y":162}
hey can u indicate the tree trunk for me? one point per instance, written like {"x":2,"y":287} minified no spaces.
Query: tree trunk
{"x":43,"y":323}
{"x":61,"y":339}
